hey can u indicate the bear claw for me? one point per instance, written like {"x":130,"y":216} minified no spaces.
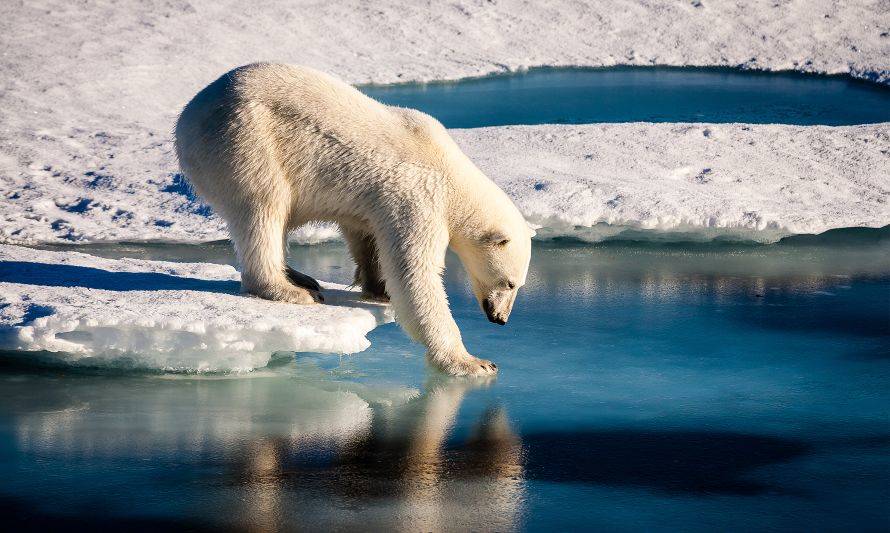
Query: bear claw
{"x":301,"y":280}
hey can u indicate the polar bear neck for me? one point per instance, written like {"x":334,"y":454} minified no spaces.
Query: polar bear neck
{"x":476,"y":203}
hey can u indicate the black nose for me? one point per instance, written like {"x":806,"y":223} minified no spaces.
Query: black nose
{"x":496,"y":319}
{"x":489,"y":312}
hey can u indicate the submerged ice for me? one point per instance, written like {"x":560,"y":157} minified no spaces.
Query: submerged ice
{"x":163,"y":315}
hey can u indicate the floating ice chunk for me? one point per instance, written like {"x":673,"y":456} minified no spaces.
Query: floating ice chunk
{"x":163,"y":315}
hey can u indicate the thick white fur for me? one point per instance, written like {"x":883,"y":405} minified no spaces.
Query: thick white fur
{"x":274,"y":146}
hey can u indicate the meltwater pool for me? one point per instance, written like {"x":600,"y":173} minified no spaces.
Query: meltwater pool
{"x":642,"y":387}
{"x":644,"y":94}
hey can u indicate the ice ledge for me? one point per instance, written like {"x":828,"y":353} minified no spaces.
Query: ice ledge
{"x":163,"y":315}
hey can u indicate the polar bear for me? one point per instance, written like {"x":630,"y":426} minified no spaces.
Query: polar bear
{"x":271,"y":147}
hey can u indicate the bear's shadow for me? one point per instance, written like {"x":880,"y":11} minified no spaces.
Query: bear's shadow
{"x":49,"y":275}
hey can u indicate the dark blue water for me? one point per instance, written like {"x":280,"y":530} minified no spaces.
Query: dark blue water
{"x":642,"y":387}
{"x":650,"y":94}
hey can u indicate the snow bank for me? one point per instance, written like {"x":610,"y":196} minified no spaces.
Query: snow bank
{"x":689,"y":181}
{"x":155,"y":314}
{"x":89,"y":92}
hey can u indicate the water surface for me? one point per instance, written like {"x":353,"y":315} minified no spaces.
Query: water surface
{"x":647,"y":94}
{"x":653,"y":387}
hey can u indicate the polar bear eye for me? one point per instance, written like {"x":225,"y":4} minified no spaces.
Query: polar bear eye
{"x":494,"y":238}
{"x":511,"y":285}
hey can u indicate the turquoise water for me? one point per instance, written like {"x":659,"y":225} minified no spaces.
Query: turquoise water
{"x":642,"y":387}
{"x":650,"y":94}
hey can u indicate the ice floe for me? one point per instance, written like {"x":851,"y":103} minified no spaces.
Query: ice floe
{"x":163,"y":315}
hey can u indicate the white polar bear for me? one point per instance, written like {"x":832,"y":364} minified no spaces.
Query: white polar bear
{"x":272,"y":147}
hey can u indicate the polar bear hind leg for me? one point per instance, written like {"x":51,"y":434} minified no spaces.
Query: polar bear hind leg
{"x":363,"y":249}
{"x":258,"y":234}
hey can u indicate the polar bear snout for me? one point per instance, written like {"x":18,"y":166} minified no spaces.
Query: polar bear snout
{"x":493,"y":315}
{"x":498,"y":306}
{"x":496,"y":320}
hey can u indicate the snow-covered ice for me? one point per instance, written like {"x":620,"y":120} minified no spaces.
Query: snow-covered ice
{"x":757,"y":182}
{"x":163,"y":315}
{"x":89,"y":92}
{"x":701,"y":181}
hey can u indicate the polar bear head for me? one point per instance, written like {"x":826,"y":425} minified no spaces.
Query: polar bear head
{"x":496,"y":259}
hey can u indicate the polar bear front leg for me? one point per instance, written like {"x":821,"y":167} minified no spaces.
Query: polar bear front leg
{"x":412,"y":268}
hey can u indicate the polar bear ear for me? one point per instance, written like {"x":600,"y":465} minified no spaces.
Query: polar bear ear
{"x":495,"y":237}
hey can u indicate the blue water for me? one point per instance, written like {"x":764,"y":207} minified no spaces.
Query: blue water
{"x":650,"y":94}
{"x":642,"y":387}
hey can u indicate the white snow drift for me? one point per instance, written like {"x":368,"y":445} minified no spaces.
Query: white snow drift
{"x":155,"y":314}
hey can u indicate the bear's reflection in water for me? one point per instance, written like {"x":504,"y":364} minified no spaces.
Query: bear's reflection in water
{"x":273,"y":452}
{"x":403,"y":474}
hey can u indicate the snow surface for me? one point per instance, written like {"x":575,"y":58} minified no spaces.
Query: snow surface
{"x":163,"y":315}
{"x":89,"y":92}
{"x":699,"y":181}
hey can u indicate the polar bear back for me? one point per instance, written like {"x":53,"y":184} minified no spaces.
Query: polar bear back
{"x":291,"y":131}
{"x":298,"y":96}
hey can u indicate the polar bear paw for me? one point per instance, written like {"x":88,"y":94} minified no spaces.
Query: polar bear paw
{"x":299,"y":295}
{"x":477,"y":367}
{"x":464,"y":365}
{"x":291,"y":294}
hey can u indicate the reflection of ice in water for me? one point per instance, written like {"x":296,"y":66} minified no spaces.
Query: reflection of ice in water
{"x":664,"y":273}
{"x":160,"y":416}
{"x":295,"y":450}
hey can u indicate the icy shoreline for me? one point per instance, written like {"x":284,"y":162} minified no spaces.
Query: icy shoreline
{"x":161,"y":315}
